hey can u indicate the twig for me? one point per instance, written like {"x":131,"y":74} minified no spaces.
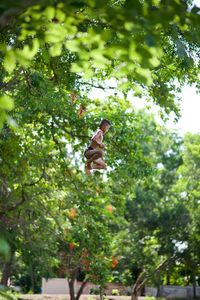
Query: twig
{"x":98,"y":86}
{"x":23,"y":196}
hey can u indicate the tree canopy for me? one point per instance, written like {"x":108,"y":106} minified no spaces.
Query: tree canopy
{"x":150,"y":47}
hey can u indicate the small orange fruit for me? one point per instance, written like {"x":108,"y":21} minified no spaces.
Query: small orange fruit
{"x":109,"y":208}
{"x":71,"y":246}
{"x":114,"y":262}
{"x":72,"y":213}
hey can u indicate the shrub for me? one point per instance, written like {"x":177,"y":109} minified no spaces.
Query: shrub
{"x":8,"y":295}
{"x":115,"y":292}
{"x":95,"y":291}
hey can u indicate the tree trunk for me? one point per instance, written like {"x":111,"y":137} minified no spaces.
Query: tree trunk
{"x":135,"y":293}
{"x":194,"y":283}
{"x":71,"y":289}
{"x":168,"y":277}
{"x":143,"y":291}
{"x":32,"y":278}
{"x":7,"y":270}
{"x":81,"y":290}
{"x":142,"y":278}
{"x":158,"y":286}
{"x":6,"y":273}
{"x":102,"y":291}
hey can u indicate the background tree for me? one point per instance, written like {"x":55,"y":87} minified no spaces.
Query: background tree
{"x":158,"y":221}
{"x":44,"y":184}
{"x":187,"y":189}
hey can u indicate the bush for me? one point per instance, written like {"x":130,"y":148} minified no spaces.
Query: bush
{"x":115,"y":292}
{"x":154,"y":298}
{"x":8,"y":295}
{"x":150,"y":298}
{"x":95,"y":291}
{"x":127,"y":293}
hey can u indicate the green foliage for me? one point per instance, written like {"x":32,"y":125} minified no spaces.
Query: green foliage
{"x":150,"y":298}
{"x":115,"y":292}
{"x":187,"y":188}
{"x":6,"y":104}
{"x":4,"y":248}
{"x":132,"y":42}
{"x":8,"y":295}
{"x":95,"y":291}
{"x":153,"y":298}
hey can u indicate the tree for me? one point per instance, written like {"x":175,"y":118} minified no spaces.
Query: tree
{"x":41,"y":170}
{"x":157,"y":220}
{"x":187,"y":188}
{"x":86,"y":249}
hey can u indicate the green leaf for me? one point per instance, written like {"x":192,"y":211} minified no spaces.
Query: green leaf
{"x":89,"y":73}
{"x":27,"y":53}
{"x":76,"y":67}
{"x":4,"y":247}
{"x":73,"y":45}
{"x":133,"y":54}
{"x":60,"y":15}
{"x":144,"y":75}
{"x":25,"y":33}
{"x":50,"y":12}
{"x":154,"y":61}
{"x":56,"y":33}
{"x":6,"y":102}
{"x":2,"y":118}
{"x":97,"y":54}
{"x":128,"y":26}
{"x":9,"y":61}
{"x":56,"y":49}
{"x":21,"y":58}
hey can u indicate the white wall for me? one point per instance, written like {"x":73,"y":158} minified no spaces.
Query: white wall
{"x":55,"y":286}
{"x":60,"y":286}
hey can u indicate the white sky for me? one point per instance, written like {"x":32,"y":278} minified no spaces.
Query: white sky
{"x":197,"y":2}
{"x":190,"y":111}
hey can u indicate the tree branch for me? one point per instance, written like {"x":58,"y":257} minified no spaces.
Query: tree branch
{"x":158,"y":268}
{"x":139,"y":282}
{"x":71,"y":133}
{"x":11,"y":12}
{"x":97,"y":86}
{"x":75,"y":135}
{"x":81,"y":289}
{"x":8,"y":86}
{"x":37,"y":181}
{"x":23,"y":199}
{"x":23,"y":196}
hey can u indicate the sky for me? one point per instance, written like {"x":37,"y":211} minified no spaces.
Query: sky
{"x":197,"y":2}
{"x":190,"y":111}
